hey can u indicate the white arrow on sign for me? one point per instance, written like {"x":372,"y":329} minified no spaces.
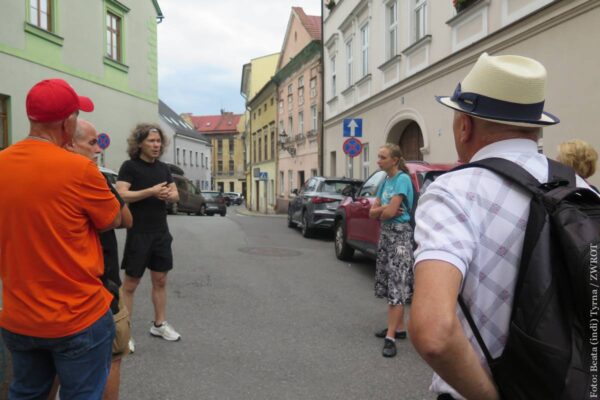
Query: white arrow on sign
{"x":352,"y":125}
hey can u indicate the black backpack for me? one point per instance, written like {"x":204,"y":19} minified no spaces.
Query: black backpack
{"x":552,"y":346}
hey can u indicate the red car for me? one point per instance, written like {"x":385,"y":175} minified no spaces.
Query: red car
{"x":353,"y":228}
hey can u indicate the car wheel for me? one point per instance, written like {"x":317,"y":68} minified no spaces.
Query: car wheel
{"x":202,"y":210}
{"x":306,"y":231}
{"x":290,"y":222}
{"x":342,"y":250}
{"x":223,"y":213}
{"x":175,"y":208}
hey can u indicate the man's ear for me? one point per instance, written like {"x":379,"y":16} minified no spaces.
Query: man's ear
{"x":466,"y":126}
{"x":69,"y":146}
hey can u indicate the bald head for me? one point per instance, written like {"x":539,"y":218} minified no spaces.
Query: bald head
{"x":85,"y":140}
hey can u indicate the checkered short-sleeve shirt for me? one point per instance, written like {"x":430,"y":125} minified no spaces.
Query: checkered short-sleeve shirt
{"x":476,"y":220}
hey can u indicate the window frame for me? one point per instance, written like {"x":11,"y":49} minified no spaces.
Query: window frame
{"x":50,"y":15}
{"x":419,"y":19}
{"x":391,"y":24}
{"x":364,"y":40}
{"x":120,"y":11}
{"x":349,"y":62}
{"x":4,"y":120}
{"x":333,"y":77}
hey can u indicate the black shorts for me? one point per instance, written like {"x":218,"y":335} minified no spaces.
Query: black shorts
{"x":147,"y":250}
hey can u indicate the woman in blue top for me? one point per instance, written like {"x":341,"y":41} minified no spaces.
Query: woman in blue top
{"x":393,"y":273}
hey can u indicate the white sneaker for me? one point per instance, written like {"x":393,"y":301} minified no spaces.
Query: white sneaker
{"x":165,"y":331}
{"x":131,"y":345}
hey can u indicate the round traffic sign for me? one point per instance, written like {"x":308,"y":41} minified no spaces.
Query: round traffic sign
{"x":103,"y":141}
{"x":352,"y":147}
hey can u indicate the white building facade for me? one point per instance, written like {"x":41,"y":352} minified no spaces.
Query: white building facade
{"x":385,"y":60}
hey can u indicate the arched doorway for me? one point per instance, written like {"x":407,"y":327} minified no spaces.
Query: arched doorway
{"x":407,"y":135}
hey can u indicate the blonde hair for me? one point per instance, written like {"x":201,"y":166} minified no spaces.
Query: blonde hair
{"x":578,"y":155}
{"x":396,"y":152}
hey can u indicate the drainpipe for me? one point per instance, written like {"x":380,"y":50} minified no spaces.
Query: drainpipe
{"x":322,"y":76}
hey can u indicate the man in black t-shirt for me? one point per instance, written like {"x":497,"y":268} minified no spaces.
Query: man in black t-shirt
{"x":146,"y":184}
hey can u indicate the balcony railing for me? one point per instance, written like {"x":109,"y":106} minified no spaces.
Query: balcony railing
{"x":311,"y":133}
{"x":300,"y":137}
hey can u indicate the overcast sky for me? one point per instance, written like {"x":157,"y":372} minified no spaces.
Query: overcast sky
{"x":203,"y":44}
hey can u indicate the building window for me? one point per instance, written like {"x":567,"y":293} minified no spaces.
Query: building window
{"x":220,"y":147}
{"x":196,"y":159}
{"x":392,"y":29}
{"x":178,"y":161}
{"x":40,"y":14}
{"x":231,"y":168}
{"x":281,"y":183}
{"x":291,"y":180}
{"x":281,"y":106}
{"x":272,"y":142}
{"x":301,"y":178}
{"x":300,"y":123}
{"x":313,"y":172}
{"x":290,"y":102}
{"x":313,"y":87}
{"x":420,"y":18}
{"x":349,"y":61}
{"x":364,"y":50}
{"x":290,"y":127}
{"x":3,"y":122}
{"x":313,"y":117}
{"x":333,"y":78}
{"x":206,"y":162}
{"x":266,"y":142}
{"x":113,"y":36}
{"x":301,"y":90}
{"x":259,"y":149}
{"x":365,"y":161}
{"x":202,"y":159}
{"x":191,"y":162}
{"x":231,"y":144}
{"x":220,"y":166}
{"x":290,"y":88}
{"x":184,"y":157}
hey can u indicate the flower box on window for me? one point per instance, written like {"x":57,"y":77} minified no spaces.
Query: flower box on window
{"x":460,"y":5}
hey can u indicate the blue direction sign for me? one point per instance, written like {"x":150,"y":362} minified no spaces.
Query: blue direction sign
{"x":103,"y":141}
{"x":352,"y":147}
{"x":353,"y":127}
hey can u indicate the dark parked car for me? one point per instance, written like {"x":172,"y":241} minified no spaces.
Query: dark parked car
{"x":315,"y":204}
{"x":191,"y":200}
{"x":353,"y":228}
{"x":234,"y":198}
{"x":215,"y":203}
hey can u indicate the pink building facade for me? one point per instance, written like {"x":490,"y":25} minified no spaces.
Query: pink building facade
{"x":299,"y":105}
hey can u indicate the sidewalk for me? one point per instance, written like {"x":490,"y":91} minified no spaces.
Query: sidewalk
{"x":242,"y":210}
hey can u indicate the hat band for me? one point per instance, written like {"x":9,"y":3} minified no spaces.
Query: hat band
{"x":487,"y":106}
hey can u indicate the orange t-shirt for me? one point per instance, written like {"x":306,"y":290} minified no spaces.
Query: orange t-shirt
{"x":52,"y":203}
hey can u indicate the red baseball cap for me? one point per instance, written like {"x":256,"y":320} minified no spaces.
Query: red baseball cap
{"x":54,"y":100}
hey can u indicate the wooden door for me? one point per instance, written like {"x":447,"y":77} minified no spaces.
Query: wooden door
{"x":411,"y":142}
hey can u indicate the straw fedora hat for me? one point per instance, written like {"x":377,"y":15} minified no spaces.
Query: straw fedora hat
{"x":505,"y":89}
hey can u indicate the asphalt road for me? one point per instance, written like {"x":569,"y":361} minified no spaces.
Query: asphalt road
{"x":266,"y":314}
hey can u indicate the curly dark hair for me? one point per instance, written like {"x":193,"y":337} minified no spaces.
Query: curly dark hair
{"x":139,"y":134}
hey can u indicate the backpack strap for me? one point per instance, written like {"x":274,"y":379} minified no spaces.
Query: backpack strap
{"x":469,"y":317}
{"x":509,"y":170}
{"x":558,"y":172}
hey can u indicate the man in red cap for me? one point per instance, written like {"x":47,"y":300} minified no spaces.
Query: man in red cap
{"x":56,"y":317}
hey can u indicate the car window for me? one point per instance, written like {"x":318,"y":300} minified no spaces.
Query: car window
{"x":310,"y":186}
{"x":369,"y":189}
{"x":180,"y":184}
{"x":192,"y":188}
{"x":336,"y":187}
